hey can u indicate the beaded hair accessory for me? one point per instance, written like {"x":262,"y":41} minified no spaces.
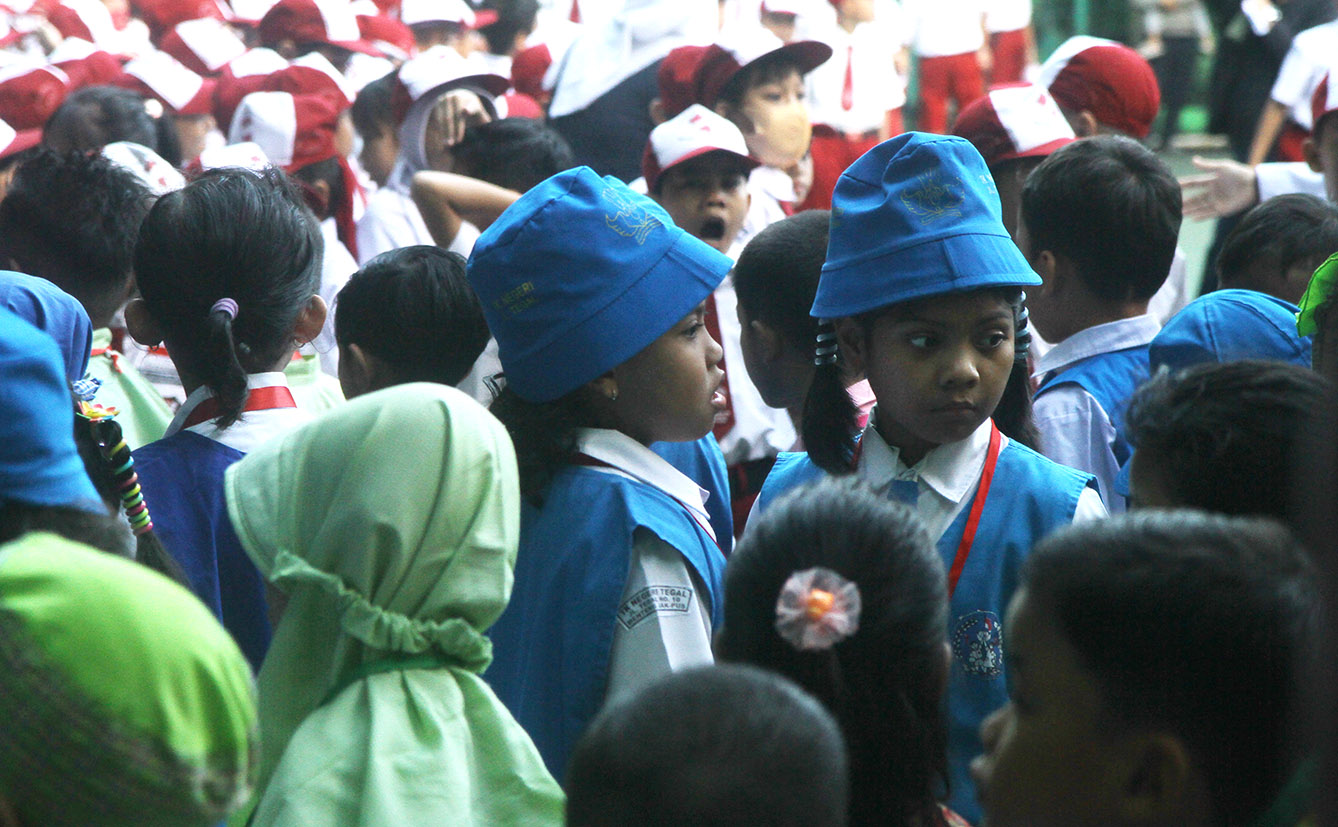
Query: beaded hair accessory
{"x":817,"y":609}
{"x":825,"y":349}
{"x":119,"y":462}
{"x":1022,"y":330}
{"x":226,"y":306}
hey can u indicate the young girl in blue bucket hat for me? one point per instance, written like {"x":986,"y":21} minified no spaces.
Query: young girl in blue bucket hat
{"x":597,"y":300}
{"x":922,"y":294}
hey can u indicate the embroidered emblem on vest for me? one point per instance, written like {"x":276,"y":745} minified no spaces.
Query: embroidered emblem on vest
{"x":977,"y":643}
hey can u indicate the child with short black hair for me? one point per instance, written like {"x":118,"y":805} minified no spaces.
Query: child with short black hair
{"x":719,"y":745}
{"x":922,"y":294}
{"x":1135,"y":697}
{"x":72,"y":219}
{"x":92,"y":117}
{"x":228,"y":271}
{"x":775,"y":279}
{"x":842,"y":591}
{"x":515,"y":153}
{"x":374,"y":119}
{"x":408,"y":315}
{"x":1276,"y":246}
{"x":1099,"y":222}
{"x":1222,"y":437}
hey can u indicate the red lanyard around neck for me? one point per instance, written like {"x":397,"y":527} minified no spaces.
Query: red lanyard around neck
{"x":260,"y":399}
{"x":977,"y":504}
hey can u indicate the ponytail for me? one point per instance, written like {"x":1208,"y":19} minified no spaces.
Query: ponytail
{"x":1013,"y":415}
{"x":831,"y":418}
{"x":544,"y":436}
{"x":223,"y":370}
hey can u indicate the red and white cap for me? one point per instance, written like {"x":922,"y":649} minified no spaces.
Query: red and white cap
{"x":329,"y":22}
{"x":414,"y":12}
{"x":694,"y":132}
{"x":248,"y":12}
{"x":390,"y":36}
{"x":147,"y":165}
{"x":85,"y":64}
{"x":677,"y":78}
{"x":30,"y":94}
{"x":1014,"y":120}
{"x":744,"y":46}
{"x":85,"y":19}
{"x":293,"y":131}
{"x":161,"y":76}
{"x":534,"y":68}
{"x":163,"y":15}
{"x":247,"y":155}
{"x":1324,"y":100}
{"x":241,"y":77}
{"x":1106,"y":78}
{"x":204,"y":46}
{"x":13,"y":141}
{"x":439,"y":67}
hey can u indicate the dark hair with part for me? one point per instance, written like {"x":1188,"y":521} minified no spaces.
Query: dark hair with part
{"x":236,"y":234}
{"x":413,"y":309}
{"x":515,"y":153}
{"x":1222,"y":437}
{"x":92,"y":117}
{"x":101,"y":531}
{"x":776,"y":276}
{"x":514,"y":17}
{"x":711,"y":746}
{"x":885,"y":682}
{"x":830,"y":423}
{"x":1288,"y":230}
{"x":72,"y":219}
{"x":1202,"y":626}
{"x":544,"y":435}
{"x":768,"y":69}
{"x":1110,"y":206}
{"x":372,"y":111}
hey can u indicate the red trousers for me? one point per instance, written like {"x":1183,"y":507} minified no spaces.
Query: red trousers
{"x":832,"y":153}
{"x":1010,"y":56}
{"x":949,"y":77}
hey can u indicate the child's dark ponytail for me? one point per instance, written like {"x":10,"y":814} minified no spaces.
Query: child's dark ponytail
{"x":831,"y":418}
{"x":111,"y":468}
{"x":1013,"y":414}
{"x":225,"y":267}
{"x":544,"y":435}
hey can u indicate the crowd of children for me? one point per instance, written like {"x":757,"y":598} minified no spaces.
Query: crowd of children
{"x":572,"y":411}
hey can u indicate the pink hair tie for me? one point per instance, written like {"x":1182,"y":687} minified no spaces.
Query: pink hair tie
{"x":227,"y":306}
{"x":817,"y":609}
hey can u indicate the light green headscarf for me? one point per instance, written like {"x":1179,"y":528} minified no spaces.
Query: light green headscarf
{"x":1321,"y":287}
{"x":392,"y":524}
{"x":122,"y":699}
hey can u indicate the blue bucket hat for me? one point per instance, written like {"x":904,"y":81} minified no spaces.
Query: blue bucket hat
{"x":580,"y":275}
{"x":39,"y":464}
{"x":54,"y":312}
{"x":916,"y":216}
{"x":1228,"y":325}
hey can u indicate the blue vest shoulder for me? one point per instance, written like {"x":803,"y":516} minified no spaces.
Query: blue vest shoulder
{"x":792,"y":469}
{"x":702,"y":462}
{"x":552,"y":644}
{"x":182,"y":479}
{"x":1111,"y":378}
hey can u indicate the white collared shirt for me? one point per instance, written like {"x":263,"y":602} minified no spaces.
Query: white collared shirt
{"x":662,"y":625}
{"x":875,"y":86}
{"x":770,"y":188}
{"x":1075,"y":430}
{"x":939,"y":28}
{"x":392,"y":221}
{"x":947,"y":476}
{"x":759,"y":431}
{"x":254,"y":428}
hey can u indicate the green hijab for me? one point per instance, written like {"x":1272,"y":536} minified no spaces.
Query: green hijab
{"x":122,"y":700}
{"x":391,"y":523}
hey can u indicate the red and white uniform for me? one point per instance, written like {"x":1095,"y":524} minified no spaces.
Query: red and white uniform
{"x":946,"y":35}
{"x":1006,"y":22}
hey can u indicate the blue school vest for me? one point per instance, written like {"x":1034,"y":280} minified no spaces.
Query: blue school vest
{"x":182,"y":478}
{"x":1111,"y":378}
{"x":1031,"y":496}
{"x":702,"y":462}
{"x":551,"y":646}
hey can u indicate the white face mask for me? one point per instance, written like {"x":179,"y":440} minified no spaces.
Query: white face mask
{"x":781,"y":132}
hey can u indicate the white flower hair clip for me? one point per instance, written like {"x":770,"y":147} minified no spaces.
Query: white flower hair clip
{"x":817,"y":609}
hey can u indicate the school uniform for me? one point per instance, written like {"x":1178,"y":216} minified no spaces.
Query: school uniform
{"x":946,"y":35}
{"x":182,"y":478}
{"x":1084,"y":385}
{"x":1302,"y":70}
{"x":618,"y":582}
{"x":142,"y":413}
{"x":773,"y":199}
{"x":337,"y":265}
{"x":392,"y":221}
{"x":1006,"y":22}
{"x":851,"y":97}
{"x":1027,"y":498}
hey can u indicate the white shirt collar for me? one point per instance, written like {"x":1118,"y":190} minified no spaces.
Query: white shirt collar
{"x":1101,"y":338}
{"x":950,"y":470}
{"x":631,"y":458}
{"x":253,"y":428}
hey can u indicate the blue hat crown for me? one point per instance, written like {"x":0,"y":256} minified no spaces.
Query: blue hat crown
{"x":581,"y":274}
{"x":916,"y":216}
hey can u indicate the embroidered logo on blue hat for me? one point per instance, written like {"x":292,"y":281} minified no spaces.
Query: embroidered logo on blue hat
{"x":916,"y":216}
{"x":581,"y":274}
